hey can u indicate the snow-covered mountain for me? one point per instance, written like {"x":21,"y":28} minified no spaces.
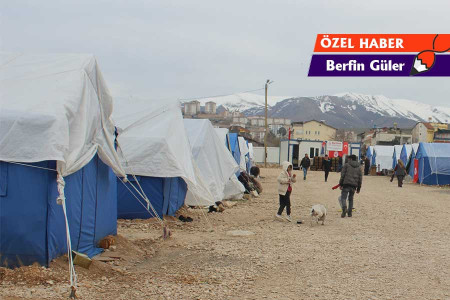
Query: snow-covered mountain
{"x":341,"y":110}
{"x":244,"y":101}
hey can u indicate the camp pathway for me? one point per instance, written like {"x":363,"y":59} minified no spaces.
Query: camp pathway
{"x":396,"y":246}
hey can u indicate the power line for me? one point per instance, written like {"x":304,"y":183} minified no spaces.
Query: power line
{"x":216,"y":96}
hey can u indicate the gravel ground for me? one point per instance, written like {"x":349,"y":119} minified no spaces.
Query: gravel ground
{"x":396,"y":246}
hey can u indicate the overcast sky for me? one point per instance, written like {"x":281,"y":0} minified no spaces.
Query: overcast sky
{"x":182,"y":49}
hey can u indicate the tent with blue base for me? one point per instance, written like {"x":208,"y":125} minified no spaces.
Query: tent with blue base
{"x":157,"y":158}
{"x":396,"y":155}
{"x":57,"y":187}
{"x":434,"y":163}
{"x":33,"y":228}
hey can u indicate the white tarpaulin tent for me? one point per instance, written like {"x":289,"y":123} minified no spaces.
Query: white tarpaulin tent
{"x":63,"y":114}
{"x":234,"y":188}
{"x":56,"y":107}
{"x":153,"y":142}
{"x":212,"y":157}
{"x":251,"y":152}
{"x":223,"y":135}
{"x":244,"y":151}
{"x":383,"y":157}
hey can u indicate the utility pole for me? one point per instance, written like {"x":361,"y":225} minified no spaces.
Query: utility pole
{"x":267,"y":128}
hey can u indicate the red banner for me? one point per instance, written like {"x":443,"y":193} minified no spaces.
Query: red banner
{"x":416,"y":170}
{"x":381,"y":42}
{"x":340,"y":153}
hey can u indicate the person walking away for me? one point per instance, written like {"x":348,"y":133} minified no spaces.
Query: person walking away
{"x":285,"y":181}
{"x":400,"y":172}
{"x":351,"y":181}
{"x":366,"y":166}
{"x":326,"y":166}
{"x":305,"y":164}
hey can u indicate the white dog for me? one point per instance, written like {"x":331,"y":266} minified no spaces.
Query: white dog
{"x":319,"y":212}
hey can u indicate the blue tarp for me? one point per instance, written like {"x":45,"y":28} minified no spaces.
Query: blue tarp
{"x":32,"y":226}
{"x":434,"y":163}
{"x":234,"y":146}
{"x":369,"y":153}
{"x":165,"y":194}
{"x":406,"y":152}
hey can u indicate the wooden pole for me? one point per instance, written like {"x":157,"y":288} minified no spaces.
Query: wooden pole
{"x":266,"y":131}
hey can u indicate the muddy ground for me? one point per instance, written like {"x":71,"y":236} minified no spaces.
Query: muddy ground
{"x":396,"y":246}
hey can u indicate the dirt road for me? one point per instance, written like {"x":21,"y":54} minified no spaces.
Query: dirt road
{"x":396,"y":246}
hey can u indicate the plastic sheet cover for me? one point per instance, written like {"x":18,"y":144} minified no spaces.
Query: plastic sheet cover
{"x":55,"y":107}
{"x":153,"y":142}
{"x":383,"y":156}
{"x":212,"y":157}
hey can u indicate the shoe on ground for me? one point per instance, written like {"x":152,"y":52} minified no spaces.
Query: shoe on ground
{"x":304,"y":178}
{"x":344,"y":211}
{"x":299,"y":222}
{"x":289,"y":218}
{"x":278,"y":217}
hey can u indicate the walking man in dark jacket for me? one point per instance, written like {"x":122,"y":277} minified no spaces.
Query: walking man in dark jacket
{"x":326,"y":166}
{"x":305,"y":164}
{"x":351,"y":180}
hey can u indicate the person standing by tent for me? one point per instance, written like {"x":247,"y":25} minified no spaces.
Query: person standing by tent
{"x":285,"y":181}
{"x":305,"y":164}
{"x":400,"y":172}
{"x":326,"y":166}
{"x":351,"y":181}
{"x":366,"y":166}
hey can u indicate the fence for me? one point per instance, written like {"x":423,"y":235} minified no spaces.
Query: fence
{"x":273,"y":154}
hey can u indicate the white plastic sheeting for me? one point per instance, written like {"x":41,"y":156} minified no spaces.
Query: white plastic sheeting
{"x":55,"y":107}
{"x":251,"y":152}
{"x":234,"y":188}
{"x":244,"y":151}
{"x":153,"y":142}
{"x":223,"y":135}
{"x":212,"y":157}
{"x":383,"y":157}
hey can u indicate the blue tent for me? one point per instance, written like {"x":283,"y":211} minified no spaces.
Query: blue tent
{"x":434,"y":163}
{"x":369,"y":153}
{"x":234,"y":146}
{"x":165,"y":194}
{"x":32,"y":226}
{"x":406,"y":152}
